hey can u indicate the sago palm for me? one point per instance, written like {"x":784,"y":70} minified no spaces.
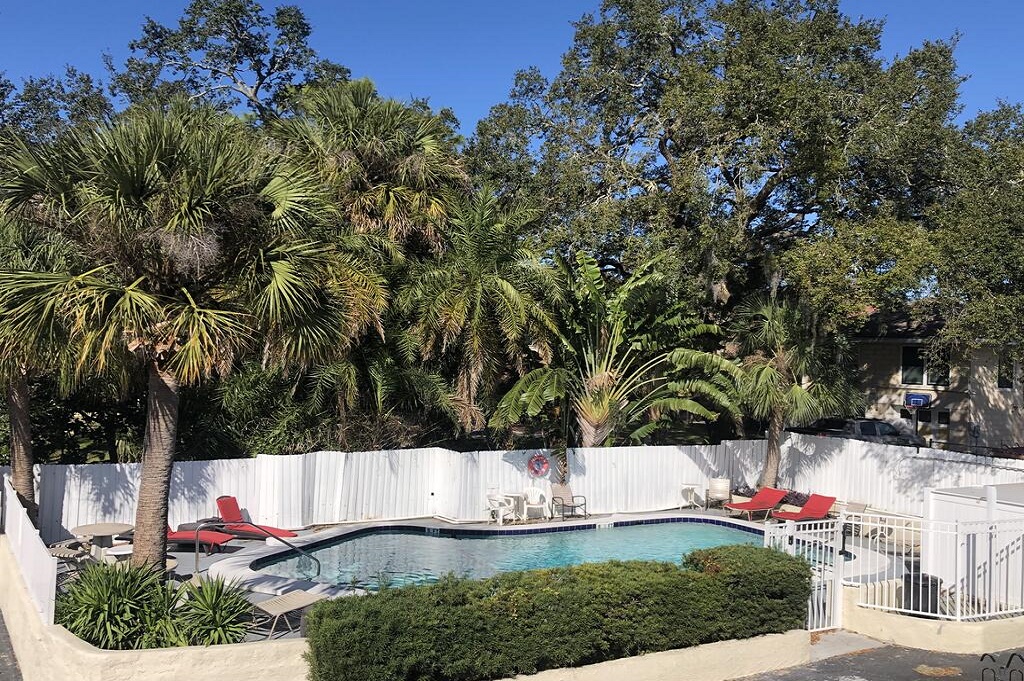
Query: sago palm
{"x":200,"y":247}
{"x":481,"y":305}
{"x":791,"y":375}
{"x":625,"y":360}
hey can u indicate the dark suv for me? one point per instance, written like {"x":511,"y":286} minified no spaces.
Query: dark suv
{"x":869,"y":430}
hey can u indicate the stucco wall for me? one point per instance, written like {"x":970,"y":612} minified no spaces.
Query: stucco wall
{"x":711,"y":662}
{"x":969,"y":638}
{"x":48,"y":652}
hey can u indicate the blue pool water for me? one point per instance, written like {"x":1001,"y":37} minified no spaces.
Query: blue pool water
{"x":412,"y":557}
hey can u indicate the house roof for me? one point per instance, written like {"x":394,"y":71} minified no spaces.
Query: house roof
{"x":898,"y":326}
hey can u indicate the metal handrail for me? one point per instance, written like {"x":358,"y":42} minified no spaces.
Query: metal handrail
{"x":221,"y":524}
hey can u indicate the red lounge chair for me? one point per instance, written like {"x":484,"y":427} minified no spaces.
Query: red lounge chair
{"x":765,"y":500}
{"x":816,"y":508}
{"x":231,"y":514}
{"x":210,"y":539}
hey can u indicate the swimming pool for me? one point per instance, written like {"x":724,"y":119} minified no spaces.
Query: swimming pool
{"x":419,"y":555}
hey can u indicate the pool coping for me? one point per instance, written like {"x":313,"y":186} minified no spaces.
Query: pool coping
{"x":238,"y":567}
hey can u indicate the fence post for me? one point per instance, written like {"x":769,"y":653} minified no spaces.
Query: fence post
{"x":790,"y":538}
{"x":956,"y":572}
{"x":838,"y":569}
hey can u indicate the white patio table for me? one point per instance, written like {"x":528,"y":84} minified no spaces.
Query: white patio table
{"x":102,"y":536}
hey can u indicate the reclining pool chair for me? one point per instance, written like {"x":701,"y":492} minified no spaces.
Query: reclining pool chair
{"x":765,"y":500}
{"x":566,"y":504}
{"x":816,"y":508}
{"x":234,"y":523}
{"x":210,"y":540}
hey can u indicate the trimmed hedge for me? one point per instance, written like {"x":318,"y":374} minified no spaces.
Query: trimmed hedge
{"x":524,"y":622}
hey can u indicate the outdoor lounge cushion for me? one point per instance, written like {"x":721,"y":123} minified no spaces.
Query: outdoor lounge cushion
{"x":766,"y":499}
{"x":231,"y":514}
{"x":816,"y":508}
{"x":206,"y":537}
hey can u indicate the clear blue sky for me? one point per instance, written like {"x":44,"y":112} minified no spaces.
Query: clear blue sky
{"x":463,"y":53}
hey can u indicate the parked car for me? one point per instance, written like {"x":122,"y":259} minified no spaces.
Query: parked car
{"x":869,"y":430}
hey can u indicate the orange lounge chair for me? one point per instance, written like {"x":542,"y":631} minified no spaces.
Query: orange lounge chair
{"x":816,"y":508}
{"x":765,"y":500}
{"x":235,"y":524}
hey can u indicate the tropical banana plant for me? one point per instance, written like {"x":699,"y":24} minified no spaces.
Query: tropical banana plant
{"x":792,"y":374}
{"x":203,"y":246}
{"x":624,"y":362}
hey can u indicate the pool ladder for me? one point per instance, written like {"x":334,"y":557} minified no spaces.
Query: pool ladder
{"x":221,"y":525}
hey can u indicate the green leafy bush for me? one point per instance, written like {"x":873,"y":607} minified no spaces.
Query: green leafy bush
{"x":524,"y":622}
{"x":124,"y":607}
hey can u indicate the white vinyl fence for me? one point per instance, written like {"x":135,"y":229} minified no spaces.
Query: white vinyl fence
{"x":886,"y":477}
{"x":332,"y":487}
{"x":38,"y":567}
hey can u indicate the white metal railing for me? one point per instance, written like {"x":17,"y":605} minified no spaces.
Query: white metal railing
{"x":38,"y":568}
{"x":958,"y":571}
{"x":816,"y":542}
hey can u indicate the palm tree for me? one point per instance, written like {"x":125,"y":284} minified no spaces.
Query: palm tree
{"x":388,"y":164}
{"x":624,"y":362}
{"x":792,"y":374}
{"x":481,"y":303}
{"x":24,"y":247}
{"x":199,"y":236}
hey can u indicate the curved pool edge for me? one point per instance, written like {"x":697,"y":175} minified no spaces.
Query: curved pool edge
{"x":238,"y":567}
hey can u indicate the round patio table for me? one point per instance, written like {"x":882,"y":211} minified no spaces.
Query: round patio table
{"x":102,"y":535}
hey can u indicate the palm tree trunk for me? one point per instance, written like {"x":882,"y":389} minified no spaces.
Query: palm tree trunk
{"x":22,"y":476}
{"x":770,"y":475}
{"x":157,"y":465}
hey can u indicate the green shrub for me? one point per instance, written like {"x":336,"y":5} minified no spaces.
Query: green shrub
{"x":124,"y":607}
{"x":524,"y":622}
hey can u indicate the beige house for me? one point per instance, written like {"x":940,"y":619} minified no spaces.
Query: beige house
{"x":973,"y":402}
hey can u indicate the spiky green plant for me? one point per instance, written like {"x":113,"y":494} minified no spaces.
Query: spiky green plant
{"x":111,"y":607}
{"x":213,"y":612}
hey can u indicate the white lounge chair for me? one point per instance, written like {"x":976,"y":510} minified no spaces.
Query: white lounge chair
{"x":534,"y":497}
{"x":719,"y":491}
{"x":500,"y":507}
{"x":281,"y":606}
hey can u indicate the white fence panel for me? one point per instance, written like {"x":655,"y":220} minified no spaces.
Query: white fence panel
{"x":38,"y":567}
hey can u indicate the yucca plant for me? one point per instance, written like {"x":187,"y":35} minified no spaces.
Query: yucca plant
{"x":111,"y":607}
{"x":213,"y":612}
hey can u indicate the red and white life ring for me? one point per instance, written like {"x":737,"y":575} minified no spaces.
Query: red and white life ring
{"x":538,"y":465}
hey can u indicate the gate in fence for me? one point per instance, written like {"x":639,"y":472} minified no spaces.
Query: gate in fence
{"x":959,"y":571}
{"x":820,"y":544}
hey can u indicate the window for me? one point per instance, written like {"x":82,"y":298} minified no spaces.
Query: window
{"x":912,"y":369}
{"x":1005,"y":379}
{"x":924,"y":415}
{"x":906,"y":415}
{"x":938,"y":369}
{"x":887,"y":430}
{"x":868,"y":430}
{"x":943,"y":418}
{"x":916,"y":371}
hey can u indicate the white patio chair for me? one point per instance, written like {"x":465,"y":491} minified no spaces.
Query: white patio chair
{"x":689,"y":496}
{"x":719,"y":491}
{"x":500,"y":507}
{"x":534,"y":497}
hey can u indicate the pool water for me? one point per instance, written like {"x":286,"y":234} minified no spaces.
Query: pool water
{"x":409,"y":556}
